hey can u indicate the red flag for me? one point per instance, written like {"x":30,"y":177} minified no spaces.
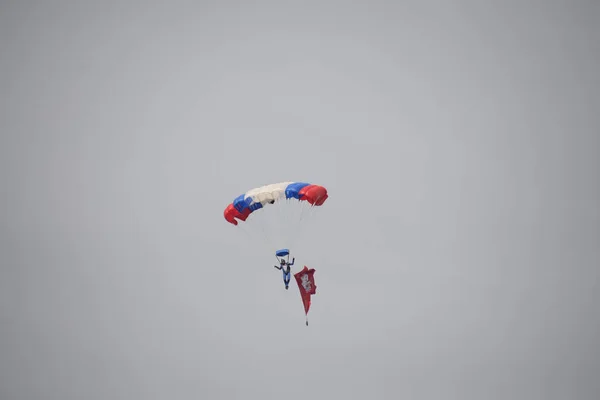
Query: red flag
{"x":306,"y":284}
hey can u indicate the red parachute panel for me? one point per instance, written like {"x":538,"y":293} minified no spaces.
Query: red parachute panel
{"x":231,"y":214}
{"x":314,"y":194}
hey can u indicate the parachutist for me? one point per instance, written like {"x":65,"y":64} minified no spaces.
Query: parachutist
{"x":285,"y":268}
{"x":291,"y":196}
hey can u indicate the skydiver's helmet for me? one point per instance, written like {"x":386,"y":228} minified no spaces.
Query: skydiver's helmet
{"x":282,"y":261}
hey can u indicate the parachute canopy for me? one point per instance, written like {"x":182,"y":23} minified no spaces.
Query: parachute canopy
{"x":277,"y":213}
{"x":257,"y":198}
{"x":282,"y":253}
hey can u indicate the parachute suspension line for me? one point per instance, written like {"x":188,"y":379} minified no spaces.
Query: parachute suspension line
{"x":302,"y":219}
{"x":285,"y":213}
{"x":293,"y":221}
{"x":302,"y":207}
{"x":280,"y":210}
{"x":273,"y":222}
{"x":312,"y":211}
{"x":261,"y":223}
{"x":306,"y":217}
{"x":279,"y":261}
{"x":243,"y":229}
{"x":253,"y":222}
{"x":279,"y":226}
{"x":252,"y":238}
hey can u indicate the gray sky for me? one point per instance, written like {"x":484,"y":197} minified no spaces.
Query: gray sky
{"x":457,"y":256}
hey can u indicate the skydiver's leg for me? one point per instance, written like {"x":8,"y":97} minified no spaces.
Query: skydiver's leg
{"x":286,"y":279}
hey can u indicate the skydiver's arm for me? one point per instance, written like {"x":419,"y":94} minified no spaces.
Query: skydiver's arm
{"x":275,"y":266}
{"x":292,"y":263}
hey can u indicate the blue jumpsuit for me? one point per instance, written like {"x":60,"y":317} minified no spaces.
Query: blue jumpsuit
{"x":286,"y":272}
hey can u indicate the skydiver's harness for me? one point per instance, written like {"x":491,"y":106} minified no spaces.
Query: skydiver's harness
{"x":286,"y":272}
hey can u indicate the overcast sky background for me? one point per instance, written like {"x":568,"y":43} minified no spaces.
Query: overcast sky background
{"x":457,"y":256}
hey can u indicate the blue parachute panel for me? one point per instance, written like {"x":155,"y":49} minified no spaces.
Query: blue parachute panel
{"x":293,"y":190}
{"x":255,"y":206}
{"x":240,"y":203}
{"x":282,"y":253}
